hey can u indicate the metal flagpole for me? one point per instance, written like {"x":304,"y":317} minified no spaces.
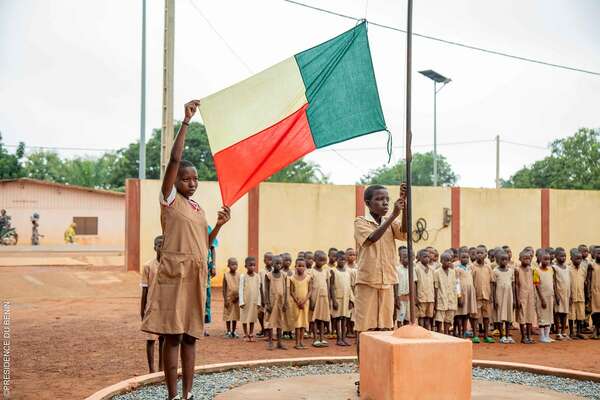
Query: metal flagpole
{"x":409,"y":242}
{"x":142,"y":164}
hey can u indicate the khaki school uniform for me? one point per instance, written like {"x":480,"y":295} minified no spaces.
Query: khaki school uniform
{"x":526,"y":292}
{"x":263,"y":273}
{"x":148,"y":276}
{"x":595,"y":287}
{"x":352,"y":269}
{"x":467,"y":291}
{"x":231,"y":312}
{"x":249,"y":298}
{"x":300,"y":291}
{"x":343,"y":293}
{"x":482,"y":279}
{"x":546,"y":288}
{"x":446,"y":302}
{"x":290,"y":315}
{"x":578,"y":277}
{"x":425,"y":291}
{"x":504,"y":280}
{"x":277,"y":298}
{"x":563,"y":288}
{"x":320,"y":295}
{"x":376,"y":275}
{"x":178,"y":295}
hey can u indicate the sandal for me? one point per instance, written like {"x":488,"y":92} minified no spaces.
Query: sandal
{"x":357,"y":384}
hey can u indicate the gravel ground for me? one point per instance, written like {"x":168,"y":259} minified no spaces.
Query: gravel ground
{"x":207,"y":386}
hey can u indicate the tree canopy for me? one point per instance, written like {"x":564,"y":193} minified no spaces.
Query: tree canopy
{"x":422,"y":172}
{"x":10,"y":164}
{"x":574,"y":163}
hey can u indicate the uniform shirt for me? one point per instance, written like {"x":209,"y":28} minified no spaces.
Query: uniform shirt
{"x":482,"y":278}
{"x":377,"y":261}
{"x":424,"y":278}
{"x":445,"y":283}
{"x":578,"y":277}
{"x":149,"y":273}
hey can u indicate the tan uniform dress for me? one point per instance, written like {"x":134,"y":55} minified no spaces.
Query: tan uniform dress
{"x":249,"y":298}
{"x":546,"y":286}
{"x":595,"y":287}
{"x":578,"y":277}
{"x":290,"y":315}
{"x":231,"y":312}
{"x":467,"y":292}
{"x":178,"y":295}
{"x":148,"y":276}
{"x":263,"y":273}
{"x":300,"y":291}
{"x":526,"y":292}
{"x":482,"y":280}
{"x":425,"y":291}
{"x":504,"y":280}
{"x":277,"y":290}
{"x":563,"y":288}
{"x":320,"y":295}
{"x":343,"y":293}
{"x":353,"y":270}
{"x":445,"y":300}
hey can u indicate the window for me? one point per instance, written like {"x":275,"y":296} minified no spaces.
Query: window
{"x":86,"y":225}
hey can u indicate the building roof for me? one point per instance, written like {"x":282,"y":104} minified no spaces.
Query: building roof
{"x":62,"y":186}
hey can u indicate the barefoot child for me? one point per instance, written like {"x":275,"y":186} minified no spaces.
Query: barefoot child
{"x":352,"y":268}
{"x":178,"y":294}
{"x":577,"y":302}
{"x":425,"y":298}
{"x":231,"y":298}
{"x":268,"y":261}
{"x":503,"y":295}
{"x":319,"y":302}
{"x":444,"y":282}
{"x":525,"y":296}
{"x":250,"y":300}
{"x":402,"y":289}
{"x":286,"y":264}
{"x":342,"y":299}
{"x":543,"y":279}
{"x":148,"y":276}
{"x":276,"y":301}
{"x":594,"y":290}
{"x":482,"y":281}
{"x":467,"y":305}
{"x":300,"y":289}
{"x":563,"y":293}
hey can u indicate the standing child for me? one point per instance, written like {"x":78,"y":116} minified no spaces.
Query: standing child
{"x":472,"y":254}
{"x":425,"y":297}
{"x":342,"y":299}
{"x":577,"y":302}
{"x":300,"y":289}
{"x":594,"y":285}
{"x":276,"y":302}
{"x":231,"y":298}
{"x":264,"y":324}
{"x":319,"y":302}
{"x":482,"y":280}
{"x":309,"y":260}
{"x":331,"y":254}
{"x":148,"y":276}
{"x":352,"y":268}
{"x":250,"y":300}
{"x":543,"y":279}
{"x":563,"y":293}
{"x":402,"y":289}
{"x":286,"y":260}
{"x":503,"y":294}
{"x":525,"y":296}
{"x":444,"y":282}
{"x":467,"y":304}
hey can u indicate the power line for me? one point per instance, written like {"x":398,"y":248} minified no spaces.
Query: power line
{"x":532,"y":146}
{"x":62,"y":148}
{"x":414,"y":145}
{"x":450,"y":42}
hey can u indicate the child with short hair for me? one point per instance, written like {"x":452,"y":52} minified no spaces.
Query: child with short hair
{"x":250,"y":299}
{"x":425,"y":298}
{"x":525,"y":296}
{"x":342,"y":298}
{"x":594,"y":290}
{"x":445,"y":294}
{"x":544,"y":282}
{"x":319,"y":303}
{"x":467,"y":301}
{"x":472,"y":254}
{"x":148,"y":276}
{"x":434,"y":258}
{"x":300,"y":290}
{"x":264,"y":323}
{"x":503,"y":295}
{"x":577,"y":302}
{"x":276,"y":289}
{"x":482,"y":281}
{"x":331,"y":254}
{"x":352,"y":269}
{"x":402,"y":289}
{"x":309,"y":260}
{"x":231,"y":298}
{"x":563,"y":293}
{"x":286,"y":260}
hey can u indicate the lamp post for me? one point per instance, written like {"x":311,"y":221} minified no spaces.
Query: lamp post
{"x":436,"y":78}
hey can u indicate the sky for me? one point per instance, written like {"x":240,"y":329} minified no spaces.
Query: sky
{"x":70,"y":72}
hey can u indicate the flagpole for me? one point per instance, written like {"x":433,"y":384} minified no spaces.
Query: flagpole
{"x":409,"y":241}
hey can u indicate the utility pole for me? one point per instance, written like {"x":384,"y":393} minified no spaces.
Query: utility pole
{"x":166,"y":138}
{"x":497,"y":161}
{"x":435,"y":174}
{"x":142,"y":163}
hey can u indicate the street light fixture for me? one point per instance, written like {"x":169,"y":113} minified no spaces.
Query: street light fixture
{"x":436,"y":78}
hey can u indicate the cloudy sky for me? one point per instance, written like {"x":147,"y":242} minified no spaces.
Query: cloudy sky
{"x":70,"y":72}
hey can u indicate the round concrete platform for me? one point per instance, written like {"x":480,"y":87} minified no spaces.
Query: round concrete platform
{"x":333,"y":387}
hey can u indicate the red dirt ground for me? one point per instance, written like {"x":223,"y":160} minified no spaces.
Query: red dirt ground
{"x":68,"y":348}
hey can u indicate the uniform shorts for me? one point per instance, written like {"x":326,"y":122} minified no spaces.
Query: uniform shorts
{"x":484,"y":309}
{"x":425,"y":310}
{"x":373,"y":307}
{"x":446,"y":316}
{"x":577,"y":311}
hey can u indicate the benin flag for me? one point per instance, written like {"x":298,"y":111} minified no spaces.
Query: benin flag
{"x":319,"y":97}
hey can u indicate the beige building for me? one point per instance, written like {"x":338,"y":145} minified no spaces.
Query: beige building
{"x":99,"y":214}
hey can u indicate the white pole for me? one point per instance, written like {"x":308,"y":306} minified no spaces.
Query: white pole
{"x":497,"y":161}
{"x":142,"y":163}
{"x":168,"y":64}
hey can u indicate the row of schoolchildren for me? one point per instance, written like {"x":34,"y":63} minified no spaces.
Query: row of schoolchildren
{"x":315,"y":297}
{"x":487,"y":288}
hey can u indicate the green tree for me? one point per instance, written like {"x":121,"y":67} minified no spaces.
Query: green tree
{"x":421,"y":168}
{"x":573,"y":163}
{"x":300,"y":172}
{"x":44,"y":165}
{"x":10,"y":164}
